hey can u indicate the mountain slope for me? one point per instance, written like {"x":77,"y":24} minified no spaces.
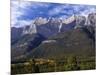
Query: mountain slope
{"x":72,"y":42}
{"x":25,"y":44}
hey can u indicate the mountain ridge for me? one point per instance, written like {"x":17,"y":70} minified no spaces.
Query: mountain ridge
{"x":33,"y":36}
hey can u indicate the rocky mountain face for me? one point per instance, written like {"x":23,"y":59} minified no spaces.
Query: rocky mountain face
{"x":47,"y":26}
{"x":55,"y":25}
{"x":55,"y":35}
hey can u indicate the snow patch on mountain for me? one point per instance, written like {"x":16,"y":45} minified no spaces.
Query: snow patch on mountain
{"x":49,"y":41}
{"x":69,"y":20}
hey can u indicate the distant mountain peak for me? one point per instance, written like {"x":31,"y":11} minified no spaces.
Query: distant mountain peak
{"x":30,"y":29}
{"x":69,"y":20}
{"x":40,"y":21}
{"x":89,"y":20}
{"x":53,"y":25}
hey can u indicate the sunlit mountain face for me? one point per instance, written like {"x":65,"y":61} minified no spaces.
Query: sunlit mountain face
{"x":51,"y":33}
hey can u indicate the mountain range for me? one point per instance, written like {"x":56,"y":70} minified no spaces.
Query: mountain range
{"x":54,"y":37}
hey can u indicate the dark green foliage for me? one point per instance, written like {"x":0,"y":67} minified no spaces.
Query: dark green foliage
{"x":65,"y":64}
{"x":72,"y":63}
{"x":35,"y":67}
{"x":87,"y":66}
{"x":21,"y":68}
{"x":72,"y":60}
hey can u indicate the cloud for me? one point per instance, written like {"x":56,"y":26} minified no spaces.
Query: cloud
{"x":39,"y":4}
{"x":17,"y":10}
{"x":63,"y":17}
{"x":89,"y":10}
{"x":23,"y":12}
{"x":22,"y":23}
{"x":69,"y":9}
{"x":23,"y":8}
{"x":57,"y":10}
{"x":84,"y":9}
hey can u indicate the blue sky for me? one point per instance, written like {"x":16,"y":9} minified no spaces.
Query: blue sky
{"x":23,"y":12}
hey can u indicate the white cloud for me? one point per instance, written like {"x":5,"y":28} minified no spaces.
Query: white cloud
{"x":18,"y":8}
{"x":86,"y":12}
{"x":24,"y":22}
{"x":89,"y":10}
{"x":76,"y":9}
{"x":86,"y":9}
{"x":63,"y":17}
{"x":16,"y":11}
{"x":57,"y":10}
{"x":39,"y":4}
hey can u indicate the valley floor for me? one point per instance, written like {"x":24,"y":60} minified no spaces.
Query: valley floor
{"x":41,"y":65}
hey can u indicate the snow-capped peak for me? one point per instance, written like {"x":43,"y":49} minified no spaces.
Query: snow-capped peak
{"x":69,"y":20}
{"x":40,"y":21}
{"x":56,"y":24}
